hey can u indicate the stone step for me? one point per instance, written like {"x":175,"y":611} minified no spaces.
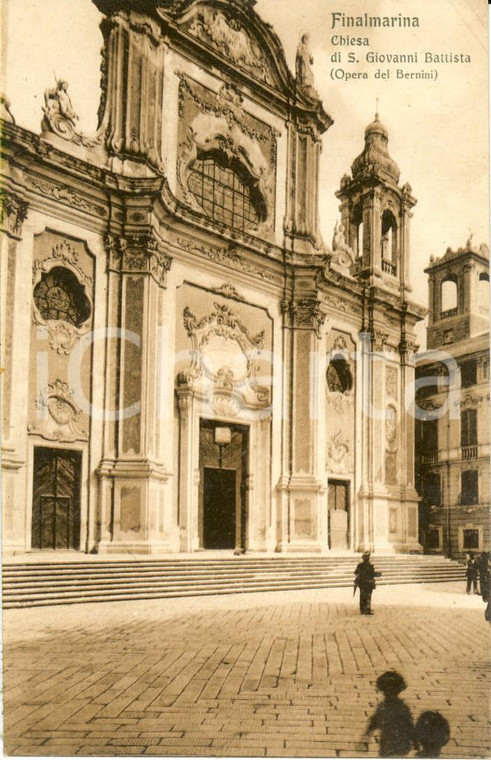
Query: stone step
{"x":26,"y":585}
{"x":101,"y":596}
{"x":201,"y":571}
{"x":148,"y":566}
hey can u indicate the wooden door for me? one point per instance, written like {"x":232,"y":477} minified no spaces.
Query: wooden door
{"x":56,"y":499}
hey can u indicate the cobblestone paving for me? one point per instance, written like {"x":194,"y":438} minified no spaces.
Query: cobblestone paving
{"x":290,"y":674}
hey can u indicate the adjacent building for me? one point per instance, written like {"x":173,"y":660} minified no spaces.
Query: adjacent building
{"x":452,"y":432}
{"x":188,"y":365}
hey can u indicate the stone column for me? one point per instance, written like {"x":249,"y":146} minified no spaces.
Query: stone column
{"x":189,"y":469}
{"x":372,"y":255}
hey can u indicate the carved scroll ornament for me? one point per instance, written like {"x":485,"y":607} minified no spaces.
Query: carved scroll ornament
{"x":58,"y":415}
{"x":224,"y":357}
{"x":228,"y":37}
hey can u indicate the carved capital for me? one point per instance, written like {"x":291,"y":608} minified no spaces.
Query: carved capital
{"x":13,"y":212}
{"x":305,"y":313}
{"x":138,"y":252}
{"x":379,"y":340}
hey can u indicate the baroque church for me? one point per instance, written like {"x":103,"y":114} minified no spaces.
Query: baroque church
{"x":188,"y":365}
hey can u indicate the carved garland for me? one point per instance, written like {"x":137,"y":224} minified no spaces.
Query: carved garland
{"x":227,"y":256}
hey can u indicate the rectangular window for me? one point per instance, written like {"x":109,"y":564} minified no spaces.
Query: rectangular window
{"x":338,"y":495}
{"x":485,"y":370}
{"x":470,"y":488}
{"x":433,"y":538}
{"x":468,"y":428}
{"x":432,"y":489}
{"x":429,"y":436}
{"x":468,"y":373}
{"x":470,"y":538}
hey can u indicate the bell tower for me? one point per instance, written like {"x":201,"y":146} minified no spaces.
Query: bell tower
{"x":458,"y":294}
{"x":376,"y":213}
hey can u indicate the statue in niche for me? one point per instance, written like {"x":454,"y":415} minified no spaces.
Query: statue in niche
{"x":303,"y":63}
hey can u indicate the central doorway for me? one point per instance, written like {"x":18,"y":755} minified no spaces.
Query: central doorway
{"x":56,"y":499}
{"x":223,"y":457}
{"x":219,"y":508}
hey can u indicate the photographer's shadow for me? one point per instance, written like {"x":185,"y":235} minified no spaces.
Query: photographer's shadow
{"x":397,"y":732}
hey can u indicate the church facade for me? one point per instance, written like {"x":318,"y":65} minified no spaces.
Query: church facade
{"x":188,"y":366}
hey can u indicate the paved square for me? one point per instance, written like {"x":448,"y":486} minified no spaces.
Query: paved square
{"x":286,"y":674}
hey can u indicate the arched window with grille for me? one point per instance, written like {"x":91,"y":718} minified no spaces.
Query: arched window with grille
{"x":60,"y":296}
{"x":226,"y":190}
{"x":338,"y":376}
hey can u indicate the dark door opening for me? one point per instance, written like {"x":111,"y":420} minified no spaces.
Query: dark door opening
{"x":56,"y":499}
{"x":219,"y":514}
{"x":338,"y":505}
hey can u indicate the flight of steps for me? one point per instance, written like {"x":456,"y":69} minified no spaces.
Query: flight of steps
{"x":46,"y":583}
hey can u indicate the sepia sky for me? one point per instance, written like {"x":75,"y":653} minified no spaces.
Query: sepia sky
{"x":438,"y":130}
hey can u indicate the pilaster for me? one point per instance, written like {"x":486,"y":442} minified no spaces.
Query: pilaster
{"x":305,"y":486}
{"x":131,"y":473}
{"x":15,"y":273}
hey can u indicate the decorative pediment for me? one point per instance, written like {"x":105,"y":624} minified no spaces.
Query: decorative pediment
{"x":224,"y":359}
{"x":222,"y":30}
{"x":470,"y":401}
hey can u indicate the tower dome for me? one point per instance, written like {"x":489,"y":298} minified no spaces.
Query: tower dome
{"x":375,"y":157}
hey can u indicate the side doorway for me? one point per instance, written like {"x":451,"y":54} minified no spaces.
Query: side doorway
{"x":338,"y":514}
{"x":56,"y":499}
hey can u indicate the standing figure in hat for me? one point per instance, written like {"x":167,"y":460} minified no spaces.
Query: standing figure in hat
{"x":365,"y":580}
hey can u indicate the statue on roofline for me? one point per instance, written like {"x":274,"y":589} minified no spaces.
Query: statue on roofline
{"x":60,"y":117}
{"x":303,"y":63}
